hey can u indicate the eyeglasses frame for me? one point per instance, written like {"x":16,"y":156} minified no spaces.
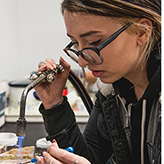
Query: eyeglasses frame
{"x":96,"y":49}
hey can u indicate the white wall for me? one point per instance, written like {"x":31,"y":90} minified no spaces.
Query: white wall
{"x":30,"y":31}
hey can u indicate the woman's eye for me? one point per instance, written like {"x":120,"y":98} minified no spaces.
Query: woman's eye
{"x":96,"y":43}
{"x":76,"y":45}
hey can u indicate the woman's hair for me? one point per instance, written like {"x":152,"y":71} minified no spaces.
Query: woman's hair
{"x":124,"y":11}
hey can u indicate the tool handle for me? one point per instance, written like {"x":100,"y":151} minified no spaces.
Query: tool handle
{"x":70,"y":149}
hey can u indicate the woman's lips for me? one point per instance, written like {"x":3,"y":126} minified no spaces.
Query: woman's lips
{"x":97,"y":73}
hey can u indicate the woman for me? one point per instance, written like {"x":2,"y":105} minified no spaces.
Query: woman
{"x":119,"y":42}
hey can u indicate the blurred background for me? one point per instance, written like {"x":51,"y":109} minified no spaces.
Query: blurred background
{"x":30,"y":31}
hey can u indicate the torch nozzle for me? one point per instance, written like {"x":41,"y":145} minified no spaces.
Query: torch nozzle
{"x":36,"y":79}
{"x":21,"y":127}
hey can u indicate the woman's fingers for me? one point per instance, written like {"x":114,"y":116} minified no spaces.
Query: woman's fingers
{"x":42,"y":63}
{"x":51,"y":61}
{"x":48,"y":159}
{"x":54,"y":143}
{"x":60,"y":156}
{"x":64,"y":64}
{"x":40,"y":160}
{"x":67,"y":157}
{"x":51,"y":93}
{"x":45,"y":68}
{"x":49,"y":64}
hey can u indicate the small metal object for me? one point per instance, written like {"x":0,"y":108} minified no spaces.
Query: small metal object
{"x":49,"y":74}
{"x":50,"y":77}
{"x":33,"y":76}
{"x":21,"y":126}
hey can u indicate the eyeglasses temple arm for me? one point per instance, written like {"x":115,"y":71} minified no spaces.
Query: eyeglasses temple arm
{"x":114,"y":36}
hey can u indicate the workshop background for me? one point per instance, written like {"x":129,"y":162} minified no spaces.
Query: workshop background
{"x":30,"y":31}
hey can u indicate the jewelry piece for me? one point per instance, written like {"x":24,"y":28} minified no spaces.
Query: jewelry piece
{"x":52,"y":161}
{"x":75,"y":161}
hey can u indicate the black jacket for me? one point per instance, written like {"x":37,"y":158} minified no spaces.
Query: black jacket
{"x":119,"y":126}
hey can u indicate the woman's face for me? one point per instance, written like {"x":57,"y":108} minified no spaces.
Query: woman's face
{"x":119,"y":57}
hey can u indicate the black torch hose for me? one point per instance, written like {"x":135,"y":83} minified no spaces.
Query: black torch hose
{"x":76,"y":82}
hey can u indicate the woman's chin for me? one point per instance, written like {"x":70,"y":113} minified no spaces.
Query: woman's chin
{"x":107,"y":80}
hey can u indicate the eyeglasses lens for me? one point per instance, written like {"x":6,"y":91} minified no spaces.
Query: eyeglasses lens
{"x":88,"y":54}
{"x":72,"y":55}
{"x":91,"y":56}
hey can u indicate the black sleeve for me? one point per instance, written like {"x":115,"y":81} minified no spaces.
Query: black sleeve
{"x":57,"y":118}
{"x":61,"y":125}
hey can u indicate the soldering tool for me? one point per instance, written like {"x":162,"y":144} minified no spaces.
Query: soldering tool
{"x":35,"y":78}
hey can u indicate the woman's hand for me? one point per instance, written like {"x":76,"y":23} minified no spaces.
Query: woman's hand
{"x":55,"y":155}
{"x":51,"y":93}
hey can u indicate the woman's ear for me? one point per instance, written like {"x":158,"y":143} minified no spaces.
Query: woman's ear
{"x":144,"y":31}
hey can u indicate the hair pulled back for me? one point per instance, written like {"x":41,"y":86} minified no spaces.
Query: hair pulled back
{"x":128,"y":9}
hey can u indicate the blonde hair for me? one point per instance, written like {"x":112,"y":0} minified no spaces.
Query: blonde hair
{"x":124,"y":11}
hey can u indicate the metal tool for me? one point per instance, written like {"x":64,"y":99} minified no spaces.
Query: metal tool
{"x":70,"y":149}
{"x":49,"y":76}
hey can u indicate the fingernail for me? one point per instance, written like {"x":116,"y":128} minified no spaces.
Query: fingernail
{"x":61,"y":59}
{"x":44,"y":153}
{"x":38,"y":158}
{"x":39,"y":72}
{"x":54,"y":66}
{"x":53,"y":141}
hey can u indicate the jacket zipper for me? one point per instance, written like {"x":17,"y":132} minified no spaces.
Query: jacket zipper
{"x":143,"y":129}
{"x":128,"y":116}
{"x":127,"y":113}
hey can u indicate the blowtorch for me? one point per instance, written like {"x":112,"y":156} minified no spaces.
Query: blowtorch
{"x":35,"y":78}
{"x":49,"y":76}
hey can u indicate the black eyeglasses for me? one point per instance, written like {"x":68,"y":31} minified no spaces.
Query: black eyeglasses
{"x":92,"y":54}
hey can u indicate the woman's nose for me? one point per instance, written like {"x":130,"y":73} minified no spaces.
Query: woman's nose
{"x":82,"y":62}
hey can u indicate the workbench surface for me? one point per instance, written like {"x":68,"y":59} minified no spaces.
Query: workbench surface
{"x":34,"y":131}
